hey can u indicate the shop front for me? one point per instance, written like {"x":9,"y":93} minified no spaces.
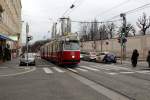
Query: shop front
{"x":5,"y":53}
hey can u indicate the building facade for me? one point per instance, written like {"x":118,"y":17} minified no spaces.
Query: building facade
{"x":10,"y":25}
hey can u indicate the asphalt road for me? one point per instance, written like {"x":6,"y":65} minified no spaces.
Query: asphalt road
{"x":87,"y":81}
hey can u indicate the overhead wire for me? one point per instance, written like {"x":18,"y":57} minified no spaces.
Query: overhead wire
{"x":72,"y":5}
{"x":114,"y":7}
{"x":76,"y":6}
{"x":96,"y":22}
{"x":132,"y":10}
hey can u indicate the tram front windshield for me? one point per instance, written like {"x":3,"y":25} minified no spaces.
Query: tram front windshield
{"x":71,"y":45}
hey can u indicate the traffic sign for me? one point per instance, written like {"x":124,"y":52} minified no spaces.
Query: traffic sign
{"x":29,"y":38}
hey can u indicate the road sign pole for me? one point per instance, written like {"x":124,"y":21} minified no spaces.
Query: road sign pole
{"x":27,"y":45}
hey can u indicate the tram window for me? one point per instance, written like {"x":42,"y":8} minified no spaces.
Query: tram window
{"x":71,"y":45}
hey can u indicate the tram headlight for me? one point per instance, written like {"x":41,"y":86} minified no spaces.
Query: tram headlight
{"x":73,"y":56}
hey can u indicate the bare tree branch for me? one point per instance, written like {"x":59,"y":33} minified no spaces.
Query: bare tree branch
{"x":143,"y":23}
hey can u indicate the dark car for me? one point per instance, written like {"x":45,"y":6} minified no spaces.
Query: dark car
{"x":110,"y":58}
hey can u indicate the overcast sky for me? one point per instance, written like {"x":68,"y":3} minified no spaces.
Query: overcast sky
{"x":40,"y":14}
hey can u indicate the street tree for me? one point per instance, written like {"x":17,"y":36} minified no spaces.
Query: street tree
{"x":130,"y":30}
{"x":84,"y":31}
{"x":110,"y":29}
{"x":143,"y":23}
{"x":94,"y":29}
{"x":103,"y":32}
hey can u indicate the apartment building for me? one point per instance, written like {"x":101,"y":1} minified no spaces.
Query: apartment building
{"x":10,"y":26}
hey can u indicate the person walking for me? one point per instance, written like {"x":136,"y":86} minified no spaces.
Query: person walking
{"x":148,"y":59}
{"x":134,"y":57}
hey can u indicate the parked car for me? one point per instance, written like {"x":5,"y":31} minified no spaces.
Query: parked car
{"x":89,"y":56}
{"x":82,"y":54}
{"x":30,"y":61}
{"x":106,"y":57}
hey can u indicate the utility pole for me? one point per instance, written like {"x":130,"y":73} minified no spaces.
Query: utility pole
{"x":27,"y":45}
{"x":65,"y":25}
{"x":123,"y":35}
{"x":101,"y":41}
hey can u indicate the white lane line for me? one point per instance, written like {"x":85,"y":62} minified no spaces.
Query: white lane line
{"x":27,"y":68}
{"x":73,"y":70}
{"x":84,"y":70}
{"x":100,"y":67}
{"x":58,"y":70}
{"x":112,"y":73}
{"x":143,"y":72}
{"x":100,"y":89}
{"x":15,"y":74}
{"x":93,"y":69}
{"x":47,"y":70}
{"x":111,"y":67}
{"x":43,"y":65}
{"x":127,"y":72}
{"x":3,"y":67}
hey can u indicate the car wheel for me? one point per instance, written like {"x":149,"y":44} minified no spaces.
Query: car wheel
{"x":105,"y":61}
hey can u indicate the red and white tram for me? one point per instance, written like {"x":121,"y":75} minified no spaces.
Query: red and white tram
{"x":64,"y":50}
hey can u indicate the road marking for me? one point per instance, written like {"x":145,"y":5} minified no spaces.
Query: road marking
{"x":3,"y":67}
{"x":112,"y":73}
{"x":33,"y":69}
{"x":101,"y":67}
{"x":127,"y":72}
{"x":93,"y":69}
{"x":73,"y":70}
{"x":143,"y":72}
{"x":58,"y":70}
{"x":47,"y":70}
{"x":44,"y":65}
{"x":100,"y":89}
{"x":27,"y":67}
{"x":111,"y":67}
{"x":84,"y":70}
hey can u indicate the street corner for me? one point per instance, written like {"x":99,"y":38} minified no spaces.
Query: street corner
{"x":15,"y":71}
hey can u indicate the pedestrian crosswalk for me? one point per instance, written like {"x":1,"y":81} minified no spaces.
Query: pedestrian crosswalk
{"x":58,"y":70}
{"x":47,"y":71}
{"x":110,"y":70}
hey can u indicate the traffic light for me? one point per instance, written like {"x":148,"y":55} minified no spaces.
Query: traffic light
{"x":29,"y":38}
{"x":123,"y":40}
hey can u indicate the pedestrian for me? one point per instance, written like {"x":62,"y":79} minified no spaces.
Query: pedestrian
{"x":134,"y":57}
{"x":148,"y":59}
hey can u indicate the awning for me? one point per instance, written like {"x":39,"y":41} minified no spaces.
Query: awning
{"x":4,"y":37}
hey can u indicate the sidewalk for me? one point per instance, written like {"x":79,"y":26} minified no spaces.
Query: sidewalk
{"x":12,"y":68}
{"x":14,"y":62}
{"x":140,"y":65}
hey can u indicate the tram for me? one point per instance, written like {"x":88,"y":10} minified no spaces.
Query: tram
{"x":63,"y":50}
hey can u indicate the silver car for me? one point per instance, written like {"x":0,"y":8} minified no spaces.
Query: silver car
{"x":89,"y":56}
{"x":30,"y":61}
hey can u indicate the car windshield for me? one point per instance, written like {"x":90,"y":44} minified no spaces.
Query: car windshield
{"x":83,"y":53}
{"x":71,"y":45}
{"x":30,"y":55}
{"x":92,"y":53}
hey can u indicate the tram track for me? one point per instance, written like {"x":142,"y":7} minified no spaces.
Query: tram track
{"x":107,"y":91}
